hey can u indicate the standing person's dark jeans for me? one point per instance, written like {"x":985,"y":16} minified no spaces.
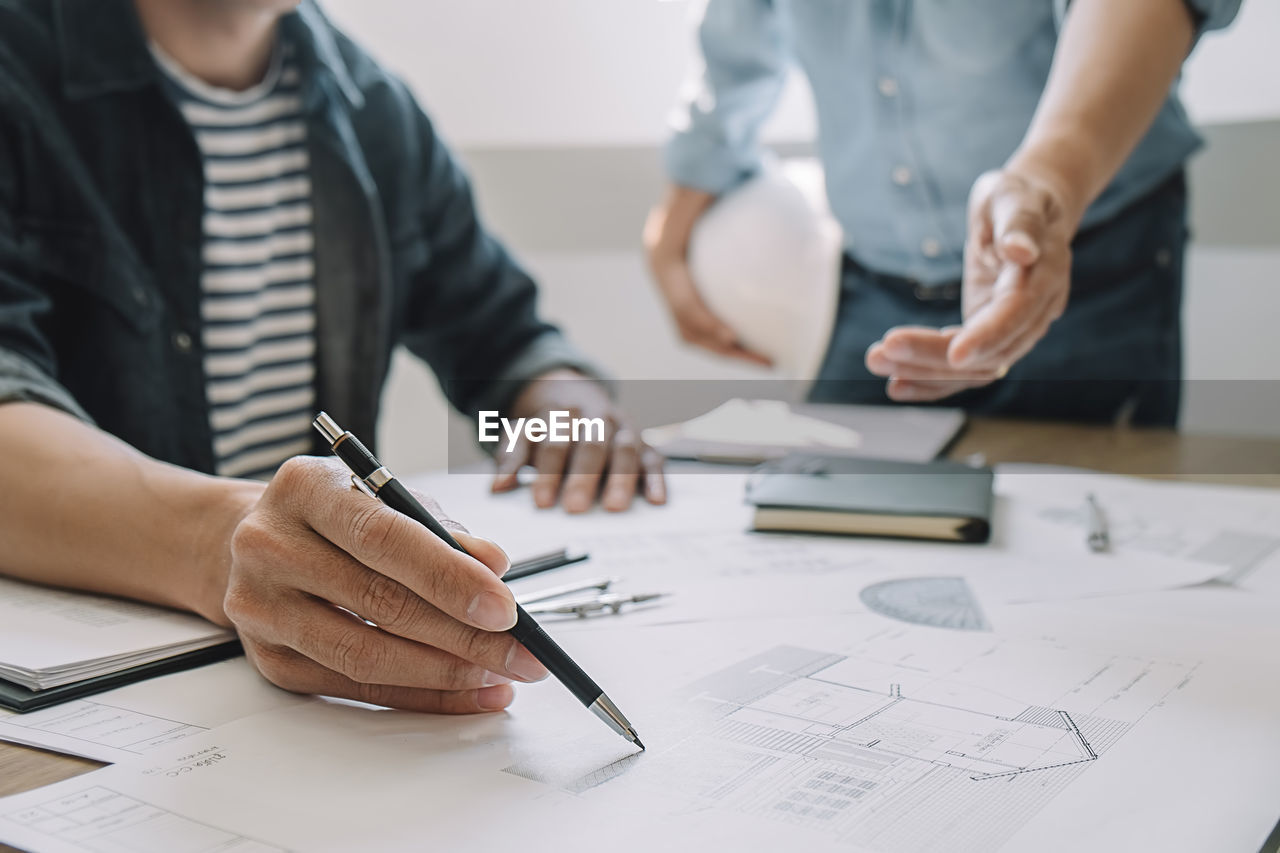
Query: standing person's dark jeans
{"x":1115,"y":352}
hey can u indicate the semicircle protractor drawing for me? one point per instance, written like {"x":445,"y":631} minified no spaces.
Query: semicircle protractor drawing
{"x":944,"y":602}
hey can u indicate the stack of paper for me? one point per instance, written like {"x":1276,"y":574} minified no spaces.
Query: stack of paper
{"x":53,"y":637}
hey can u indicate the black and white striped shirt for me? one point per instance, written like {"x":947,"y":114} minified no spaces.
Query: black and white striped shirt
{"x":258,"y":299}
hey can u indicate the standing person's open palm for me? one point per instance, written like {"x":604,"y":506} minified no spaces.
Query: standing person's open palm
{"x":1017,"y":278}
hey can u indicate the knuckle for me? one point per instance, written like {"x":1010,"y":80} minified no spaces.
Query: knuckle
{"x":372,"y":530}
{"x":296,"y":473}
{"x":446,"y":582}
{"x":458,"y":674}
{"x":482,"y":648}
{"x":552,"y":451}
{"x":385,"y":602}
{"x":626,"y":454}
{"x":272,"y":663}
{"x":250,"y":539}
{"x":354,"y":656}
{"x":594,"y":445}
{"x":239,"y":602}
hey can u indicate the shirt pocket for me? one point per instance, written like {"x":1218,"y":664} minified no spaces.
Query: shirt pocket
{"x":978,"y":36}
{"x":75,"y":256}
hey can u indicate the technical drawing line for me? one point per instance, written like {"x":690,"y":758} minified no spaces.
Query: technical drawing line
{"x":1032,"y":769}
{"x":1071,"y":724}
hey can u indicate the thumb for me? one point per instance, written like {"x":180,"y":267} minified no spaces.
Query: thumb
{"x":1019,"y":218}
{"x":484,"y":550}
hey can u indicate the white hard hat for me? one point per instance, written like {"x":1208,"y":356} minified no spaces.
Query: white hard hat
{"x":766,"y":258}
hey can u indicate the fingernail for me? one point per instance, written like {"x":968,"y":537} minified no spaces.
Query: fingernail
{"x":543,"y":496}
{"x":577,"y":502}
{"x":492,"y":612}
{"x":655,"y":493}
{"x":494,"y":698}
{"x":492,"y":678}
{"x":902,"y":391}
{"x":524,"y":665}
{"x":898,"y":350}
{"x":1021,"y":240}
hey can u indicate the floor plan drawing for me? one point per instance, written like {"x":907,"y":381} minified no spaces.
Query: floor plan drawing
{"x":889,"y":749}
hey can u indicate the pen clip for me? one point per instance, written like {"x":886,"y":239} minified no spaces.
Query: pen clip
{"x":361,"y":485}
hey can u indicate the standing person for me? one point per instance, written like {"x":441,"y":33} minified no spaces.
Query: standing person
{"x":216,"y":217}
{"x":1008,"y":177}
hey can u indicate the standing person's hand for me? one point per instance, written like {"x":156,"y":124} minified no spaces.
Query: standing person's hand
{"x":666,"y":242}
{"x":1017,"y":278}
{"x":616,"y":467}
{"x":314,"y":562}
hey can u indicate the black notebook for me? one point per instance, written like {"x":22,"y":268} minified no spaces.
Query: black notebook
{"x":813,"y":493}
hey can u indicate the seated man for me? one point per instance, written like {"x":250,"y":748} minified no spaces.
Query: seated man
{"x":216,"y":217}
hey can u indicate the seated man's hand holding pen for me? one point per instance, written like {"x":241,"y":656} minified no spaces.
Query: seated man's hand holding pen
{"x":313,"y":553}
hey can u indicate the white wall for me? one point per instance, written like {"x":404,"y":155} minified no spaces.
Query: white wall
{"x":554,"y":72}
{"x":1234,"y":75}
{"x":544,"y":72}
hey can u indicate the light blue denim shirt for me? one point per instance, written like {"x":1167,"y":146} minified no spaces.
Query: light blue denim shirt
{"x":915,"y":99}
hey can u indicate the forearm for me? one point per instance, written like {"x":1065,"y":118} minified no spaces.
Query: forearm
{"x":680,"y":211}
{"x":80,"y":508}
{"x":1114,"y":66}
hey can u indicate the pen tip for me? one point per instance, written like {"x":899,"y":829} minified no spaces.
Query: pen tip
{"x":639,"y":744}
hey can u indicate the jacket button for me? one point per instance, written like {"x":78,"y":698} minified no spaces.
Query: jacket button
{"x":182,"y":342}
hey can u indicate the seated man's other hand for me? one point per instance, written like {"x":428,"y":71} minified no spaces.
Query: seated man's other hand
{"x":315,"y":562}
{"x":1017,"y":277}
{"x":575,"y":473}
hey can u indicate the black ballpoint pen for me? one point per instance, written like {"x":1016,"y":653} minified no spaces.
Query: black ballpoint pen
{"x":370,"y":475}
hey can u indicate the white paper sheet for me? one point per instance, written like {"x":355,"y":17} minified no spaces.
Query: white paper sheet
{"x":1236,"y":529}
{"x":126,"y":722}
{"x":850,"y":735}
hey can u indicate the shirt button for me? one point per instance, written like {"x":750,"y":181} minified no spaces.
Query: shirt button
{"x":930,"y":247}
{"x":182,"y":342}
{"x":139,"y":294}
{"x":887,"y":86}
{"x":901,"y":175}
{"x":1164,"y":257}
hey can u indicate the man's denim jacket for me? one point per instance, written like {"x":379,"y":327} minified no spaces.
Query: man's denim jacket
{"x":101,"y":203}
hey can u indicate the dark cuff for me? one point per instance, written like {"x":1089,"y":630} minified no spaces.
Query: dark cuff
{"x":22,"y":381}
{"x":548,"y":352}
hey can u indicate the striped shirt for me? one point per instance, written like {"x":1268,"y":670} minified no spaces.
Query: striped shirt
{"x":258,"y":290}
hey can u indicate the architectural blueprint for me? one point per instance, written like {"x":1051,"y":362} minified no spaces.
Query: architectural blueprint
{"x":895,"y":739}
{"x":895,"y":749}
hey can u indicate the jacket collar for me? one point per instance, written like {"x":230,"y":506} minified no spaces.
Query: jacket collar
{"x":103,"y":49}
{"x":318,"y":52}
